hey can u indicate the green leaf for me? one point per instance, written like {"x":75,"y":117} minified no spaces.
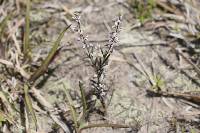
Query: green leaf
{"x":49,"y":58}
{"x":152,"y":3}
{"x":26,"y":44}
{"x":28,"y":104}
{"x":83,"y":100}
{"x":72,"y":108}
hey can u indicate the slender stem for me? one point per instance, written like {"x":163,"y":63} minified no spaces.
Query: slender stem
{"x":106,"y":125}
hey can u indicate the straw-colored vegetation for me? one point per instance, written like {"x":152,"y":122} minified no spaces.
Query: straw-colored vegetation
{"x":99,"y":66}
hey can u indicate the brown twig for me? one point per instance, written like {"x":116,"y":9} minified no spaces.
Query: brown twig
{"x":166,"y":7}
{"x":196,"y":68}
{"x":107,"y":125}
{"x":189,"y":97}
{"x":48,"y":106}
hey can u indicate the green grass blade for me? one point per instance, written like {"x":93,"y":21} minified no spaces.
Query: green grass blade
{"x":3,"y":24}
{"x":83,"y":100}
{"x":28,"y":103}
{"x":48,"y":59}
{"x":72,"y":108}
{"x":26,"y":44}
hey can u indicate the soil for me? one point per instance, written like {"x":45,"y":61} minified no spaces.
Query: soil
{"x":140,"y":49}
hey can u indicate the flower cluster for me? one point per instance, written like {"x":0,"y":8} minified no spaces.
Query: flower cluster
{"x":98,"y":62}
{"x":83,"y":38}
{"x":113,"y":39}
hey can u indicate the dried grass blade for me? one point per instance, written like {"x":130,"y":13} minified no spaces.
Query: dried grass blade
{"x":88,"y":126}
{"x":189,"y":97}
{"x":7,"y":117}
{"x":5,"y":100}
{"x":48,"y":59}
{"x":3,"y":24}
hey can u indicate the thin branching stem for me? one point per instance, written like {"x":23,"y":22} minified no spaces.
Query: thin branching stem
{"x":98,"y":63}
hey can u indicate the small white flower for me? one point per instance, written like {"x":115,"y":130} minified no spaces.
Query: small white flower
{"x":76,"y":18}
{"x":79,"y":39}
{"x":103,"y":94}
{"x":84,"y":46}
{"x":14,"y":82}
{"x":91,"y":45}
{"x":74,"y":28}
{"x":86,"y":37}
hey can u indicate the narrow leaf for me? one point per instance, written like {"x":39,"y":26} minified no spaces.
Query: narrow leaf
{"x":28,"y":103}
{"x":72,"y":108}
{"x":48,"y":59}
{"x":26,"y":45}
{"x":83,"y":99}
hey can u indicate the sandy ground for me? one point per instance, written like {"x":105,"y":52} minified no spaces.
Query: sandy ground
{"x":139,"y":49}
